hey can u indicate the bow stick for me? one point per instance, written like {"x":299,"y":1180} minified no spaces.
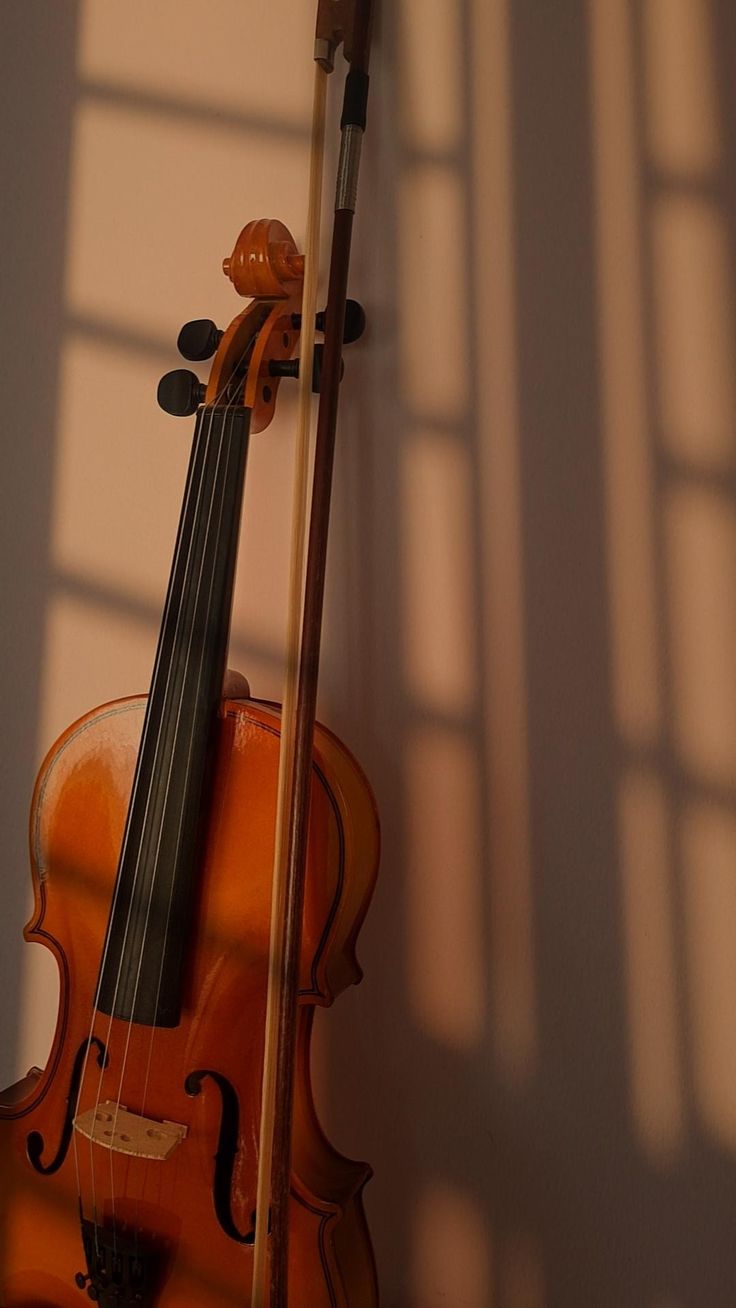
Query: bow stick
{"x":347,"y":23}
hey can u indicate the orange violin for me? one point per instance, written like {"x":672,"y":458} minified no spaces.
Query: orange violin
{"x":201,"y":882}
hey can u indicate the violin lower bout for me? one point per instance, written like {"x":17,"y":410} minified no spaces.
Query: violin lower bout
{"x":192,"y":1211}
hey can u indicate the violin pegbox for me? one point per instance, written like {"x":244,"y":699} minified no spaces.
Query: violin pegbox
{"x":257,"y":349}
{"x":265,"y":265}
{"x":254,"y":352}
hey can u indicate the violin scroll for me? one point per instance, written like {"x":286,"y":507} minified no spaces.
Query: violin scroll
{"x":265,"y":263}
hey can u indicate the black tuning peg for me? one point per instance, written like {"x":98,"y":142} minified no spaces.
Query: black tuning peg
{"x":199,"y":339}
{"x":290,"y":368}
{"x":355,"y":321}
{"x":180,"y":392}
{"x":85,"y":1282}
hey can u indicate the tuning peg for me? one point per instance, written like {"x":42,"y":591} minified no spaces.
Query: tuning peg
{"x":355,"y":321}
{"x":180,"y":392}
{"x":83,"y":1282}
{"x":290,"y":368}
{"x":199,"y":339}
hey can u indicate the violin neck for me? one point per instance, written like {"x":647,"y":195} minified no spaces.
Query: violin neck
{"x":141,"y":973}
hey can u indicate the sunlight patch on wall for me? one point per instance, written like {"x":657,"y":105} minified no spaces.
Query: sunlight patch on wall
{"x":432,"y":268}
{"x":511,"y":949}
{"x":451,"y":1251}
{"x":92,"y":654}
{"x":511,"y":953}
{"x":113,"y":444}
{"x":431,"y":64}
{"x":627,"y":441}
{"x":224,"y":57}
{"x":701,"y":566}
{"x":694,"y":331}
{"x":430,"y":294}
{"x":438,"y":573}
{"x":709,"y":860}
{"x":39,"y":992}
{"x":446,"y":937}
{"x":651,"y":974}
{"x":681,"y":107}
{"x":130,"y":263}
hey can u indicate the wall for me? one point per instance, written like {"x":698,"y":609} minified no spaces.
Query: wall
{"x":531,"y":621}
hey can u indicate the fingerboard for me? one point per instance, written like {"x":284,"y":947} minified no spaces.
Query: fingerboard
{"x":141,"y":974}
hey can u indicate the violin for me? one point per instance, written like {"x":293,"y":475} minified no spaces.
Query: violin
{"x":202,"y":865}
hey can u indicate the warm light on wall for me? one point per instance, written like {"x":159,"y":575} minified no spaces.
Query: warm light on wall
{"x":451,"y":1251}
{"x":438,"y":574}
{"x":694,"y":331}
{"x":709,"y":859}
{"x":200,"y":68}
{"x":655,"y":1028}
{"x":669,"y":404}
{"x":701,"y":568}
{"x":445,"y":902}
{"x":511,"y":958}
{"x":431,"y":43}
{"x":630,"y":489}
{"x":682,"y":121}
{"x":433,"y":323}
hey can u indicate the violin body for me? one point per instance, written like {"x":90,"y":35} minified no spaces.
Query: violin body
{"x":196,"y":1205}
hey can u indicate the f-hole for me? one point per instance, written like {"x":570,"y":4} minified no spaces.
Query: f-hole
{"x":227,"y":1148}
{"x":35,"y":1144}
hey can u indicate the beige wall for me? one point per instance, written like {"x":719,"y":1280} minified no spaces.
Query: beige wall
{"x":531,"y":628}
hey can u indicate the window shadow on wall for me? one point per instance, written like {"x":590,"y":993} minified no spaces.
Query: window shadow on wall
{"x":528,"y":643}
{"x":39,"y":54}
{"x":591,"y":1159}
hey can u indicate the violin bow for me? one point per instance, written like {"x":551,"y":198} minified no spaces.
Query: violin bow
{"x":346,"y":23}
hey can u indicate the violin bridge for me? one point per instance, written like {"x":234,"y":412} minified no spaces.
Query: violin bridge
{"x":113,"y":1127}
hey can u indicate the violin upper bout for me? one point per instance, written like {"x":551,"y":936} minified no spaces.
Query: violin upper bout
{"x":342,"y":860}
{"x":360,"y":831}
{"x":81,"y":797}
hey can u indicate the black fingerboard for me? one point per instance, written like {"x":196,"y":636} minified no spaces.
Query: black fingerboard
{"x":141,"y":974}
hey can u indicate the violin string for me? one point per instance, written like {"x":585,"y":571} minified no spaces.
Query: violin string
{"x":106,"y":948}
{"x":186,"y":584}
{"x":113,"y":908}
{"x":155,"y":859}
{"x":213,"y":411}
{"x":135,"y":881}
{"x":226,"y":434}
{"x":215,"y":408}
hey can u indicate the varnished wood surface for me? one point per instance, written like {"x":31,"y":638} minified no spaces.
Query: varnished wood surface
{"x":76,"y":827}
